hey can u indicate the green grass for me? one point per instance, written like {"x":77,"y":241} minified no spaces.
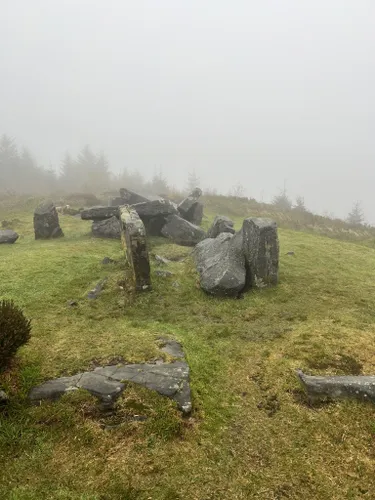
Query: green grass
{"x":251,"y":434}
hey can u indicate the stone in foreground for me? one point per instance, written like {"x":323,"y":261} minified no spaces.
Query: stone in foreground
{"x":338,"y":387}
{"x":221,"y":224}
{"x":221,"y":265}
{"x":8,"y":236}
{"x":108,"y":382}
{"x":133,"y":237}
{"x":182,"y":232}
{"x":99,"y":213}
{"x":46,"y":222}
{"x":188,"y":203}
{"x":108,"y":228}
{"x":261,"y":250}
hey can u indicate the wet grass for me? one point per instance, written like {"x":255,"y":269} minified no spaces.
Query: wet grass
{"x":251,"y":434}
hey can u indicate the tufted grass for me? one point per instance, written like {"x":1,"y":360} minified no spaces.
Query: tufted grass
{"x":251,"y":434}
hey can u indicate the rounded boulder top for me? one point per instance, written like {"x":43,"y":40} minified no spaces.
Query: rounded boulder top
{"x":45,"y":207}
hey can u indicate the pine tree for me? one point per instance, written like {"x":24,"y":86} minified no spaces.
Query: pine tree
{"x":193,"y":181}
{"x":238,"y":191}
{"x":159,"y":184}
{"x":300,"y":204}
{"x":9,"y":164}
{"x":356,"y":216}
{"x":282,"y":201}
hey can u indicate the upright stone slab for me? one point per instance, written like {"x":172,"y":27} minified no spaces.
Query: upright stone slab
{"x":182,"y":232}
{"x":188,"y":203}
{"x":261,"y":251}
{"x":46,"y":221}
{"x":133,"y":236}
{"x":195,"y":214}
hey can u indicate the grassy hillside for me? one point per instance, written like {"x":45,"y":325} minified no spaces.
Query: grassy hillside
{"x":251,"y":434}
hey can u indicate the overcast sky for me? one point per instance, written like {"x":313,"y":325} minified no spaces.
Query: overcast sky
{"x":250,"y":91}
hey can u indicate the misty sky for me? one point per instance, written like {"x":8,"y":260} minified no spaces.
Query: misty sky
{"x":243,"y":91}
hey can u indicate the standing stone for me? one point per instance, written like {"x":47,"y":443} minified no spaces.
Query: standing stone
{"x":261,"y":250}
{"x":8,"y":236}
{"x":46,"y":221}
{"x":221,"y":224}
{"x":182,"y":232}
{"x":133,"y":237}
{"x":108,"y":228}
{"x":221,"y":265}
{"x":195,"y":214}
{"x":188,"y":203}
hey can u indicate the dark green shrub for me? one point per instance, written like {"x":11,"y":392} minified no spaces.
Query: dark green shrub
{"x":15,"y":331}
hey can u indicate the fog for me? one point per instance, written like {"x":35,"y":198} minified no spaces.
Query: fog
{"x":252,"y":92}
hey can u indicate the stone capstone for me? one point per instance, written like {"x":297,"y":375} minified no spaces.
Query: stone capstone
{"x":182,"y":232}
{"x":99,"y":213}
{"x":261,"y":251}
{"x":221,"y":224}
{"x":133,"y":237}
{"x":46,"y":221}
{"x":221,"y":265}
{"x":107,"y":228}
{"x":187,"y":204}
{"x":8,"y":236}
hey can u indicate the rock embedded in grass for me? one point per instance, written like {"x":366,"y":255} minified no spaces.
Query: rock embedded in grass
{"x":8,"y":236}
{"x":46,"y":221}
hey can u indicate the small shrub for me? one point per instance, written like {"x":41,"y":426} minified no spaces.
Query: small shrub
{"x":15,"y":331}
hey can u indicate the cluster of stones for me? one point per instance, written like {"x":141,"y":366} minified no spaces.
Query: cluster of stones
{"x":161,"y":217}
{"x":230,"y":263}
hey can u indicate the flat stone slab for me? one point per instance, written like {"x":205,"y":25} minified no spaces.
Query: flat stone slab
{"x":150,"y":209}
{"x":338,"y":387}
{"x":8,"y":236}
{"x":108,"y":382}
{"x":133,"y":237}
{"x":99,"y":213}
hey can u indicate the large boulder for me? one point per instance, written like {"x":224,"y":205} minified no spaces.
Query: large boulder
{"x":99,"y":213}
{"x":46,"y":221}
{"x":221,"y":224}
{"x":187,"y":204}
{"x":221,"y":265}
{"x":261,"y":250}
{"x":107,"y":228}
{"x":133,"y":237}
{"x":8,"y":236}
{"x":127,"y":197}
{"x":182,"y":232}
{"x":154,"y":214}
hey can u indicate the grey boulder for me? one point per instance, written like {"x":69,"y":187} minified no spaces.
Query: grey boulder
{"x":261,"y":250}
{"x":8,"y":236}
{"x":182,"y":232}
{"x":46,"y":221}
{"x":107,"y":228}
{"x":221,"y":265}
{"x":187,"y":204}
{"x":195,"y":214}
{"x":221,"y":224}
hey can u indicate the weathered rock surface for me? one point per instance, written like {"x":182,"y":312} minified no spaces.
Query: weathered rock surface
{"x":108,"y":260}
{"x":154,"y":214}
{"x":221,"y":265}
{"x":195,"y":214}
{"x":8,"y":236}
{"x":107,"y":228}
{"x":127,"y":197}
{"x":261,"y":250}
{"x":99,"y":213}
{"x":221,"y":224}
{"x":108,"y":382}
{"x":186,"y":205}
{"x":46,"y":221}
{"x":338,"y":387}
{"x":133,"y":236}
{"x":4,"y":399}
{"x":182,"y":232}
